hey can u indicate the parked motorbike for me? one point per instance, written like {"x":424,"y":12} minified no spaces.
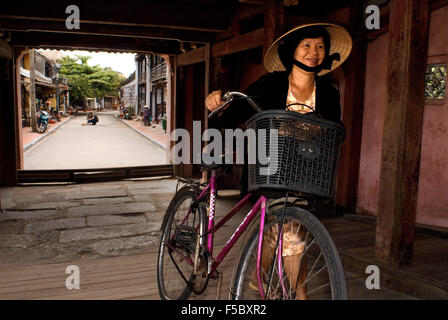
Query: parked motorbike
{"x":126,"y":115}
{"x":42,"y":121}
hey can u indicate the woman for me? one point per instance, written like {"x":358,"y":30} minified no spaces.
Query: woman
{"x":296,"y":61}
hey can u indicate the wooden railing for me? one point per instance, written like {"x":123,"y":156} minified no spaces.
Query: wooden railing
{"x":158,"y":72}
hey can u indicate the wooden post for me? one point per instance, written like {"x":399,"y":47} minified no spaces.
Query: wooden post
{"x":274,"y":20}
{"x":206,"y":92}
{"x":5,"y":50}
{"x":9,"y":120}
{"x":19,"y":53}
{"x":352,"y":112}
{"x":402,"y":135}
{"x":207,"y":80}
{"x":33,"y":92}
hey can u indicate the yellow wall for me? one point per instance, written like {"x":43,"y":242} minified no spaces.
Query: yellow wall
{"x":53,"y":102}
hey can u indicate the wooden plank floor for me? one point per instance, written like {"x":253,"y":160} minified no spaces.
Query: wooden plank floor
{"x":430,"y":252}
{"x":128,"y":277}
{"x":427,"y":278}
{"x":134,"y":276}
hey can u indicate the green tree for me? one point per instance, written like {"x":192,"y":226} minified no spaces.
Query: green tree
{"x":86,"y":81}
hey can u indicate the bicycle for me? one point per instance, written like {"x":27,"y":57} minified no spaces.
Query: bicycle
{"x":288,"y":255}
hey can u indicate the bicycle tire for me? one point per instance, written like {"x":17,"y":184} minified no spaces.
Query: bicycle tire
{"x":178,"y":288}
{"x":311,"y":288}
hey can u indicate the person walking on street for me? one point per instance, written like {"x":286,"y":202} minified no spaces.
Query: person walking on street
{"x":146,"y":115}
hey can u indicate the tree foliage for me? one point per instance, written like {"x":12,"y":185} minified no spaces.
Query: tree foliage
{"x":85,"y":81}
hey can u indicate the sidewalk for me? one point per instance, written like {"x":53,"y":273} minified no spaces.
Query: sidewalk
{"x":29,"y":138}
{"x":153,"y":133}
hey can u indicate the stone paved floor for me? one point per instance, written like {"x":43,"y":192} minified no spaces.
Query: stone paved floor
{"x":45,"y":224}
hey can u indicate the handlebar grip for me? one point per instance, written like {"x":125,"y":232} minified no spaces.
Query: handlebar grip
{"x":228,"y":97}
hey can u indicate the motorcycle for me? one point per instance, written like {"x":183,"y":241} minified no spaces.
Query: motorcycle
{"x":42,"y":121}
{"x":126,"y":115}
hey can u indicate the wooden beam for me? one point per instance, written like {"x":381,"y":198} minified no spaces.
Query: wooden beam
{"x":91,"y":42}
{"x":192,"y":57}
{"x":250,"y":10}
{"x":240,"y":43}
{"x":106,"y":30}
{"x":202,"y":15}
{"x":402,"y":135}
{"x":243,"y":42}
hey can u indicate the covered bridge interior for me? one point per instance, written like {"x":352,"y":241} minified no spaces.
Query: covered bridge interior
{"x":392,"y":164}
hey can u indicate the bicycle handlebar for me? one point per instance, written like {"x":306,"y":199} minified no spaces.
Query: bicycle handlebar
{"x":229,"y":96}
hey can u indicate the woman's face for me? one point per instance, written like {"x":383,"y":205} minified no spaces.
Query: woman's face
{"x":310,"y":52}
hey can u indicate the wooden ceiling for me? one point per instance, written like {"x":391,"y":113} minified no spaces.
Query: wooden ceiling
{"x":155,"y":26}
{"x":159,"y":26}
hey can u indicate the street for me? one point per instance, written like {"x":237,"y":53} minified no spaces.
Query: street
{"x":109,"y":143}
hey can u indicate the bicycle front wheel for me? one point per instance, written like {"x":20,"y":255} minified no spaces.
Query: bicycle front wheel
{"x":302,"y":264}
{"x":178,"y":244}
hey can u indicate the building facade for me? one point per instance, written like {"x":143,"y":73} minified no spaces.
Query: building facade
{"x":51,"y":90}
{"x":127,"y":92}
{"x":151,"y":84}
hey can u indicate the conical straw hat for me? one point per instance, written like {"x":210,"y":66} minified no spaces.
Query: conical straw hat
{"x":341,"y":42}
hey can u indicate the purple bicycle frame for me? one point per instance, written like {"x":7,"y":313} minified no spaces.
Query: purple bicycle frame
{"x":211,"y":229}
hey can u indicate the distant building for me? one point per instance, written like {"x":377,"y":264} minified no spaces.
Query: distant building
{"x":158,"y":85}
{"x":50,"y":88}
{"x":127,"y":92}
{"x":151,"y":84}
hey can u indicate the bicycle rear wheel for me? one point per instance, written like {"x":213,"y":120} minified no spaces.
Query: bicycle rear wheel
{"x":309,"y":267}
{"x":178,"y":244}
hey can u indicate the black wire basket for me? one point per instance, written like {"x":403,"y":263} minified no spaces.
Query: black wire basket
{"x":307,"y":156}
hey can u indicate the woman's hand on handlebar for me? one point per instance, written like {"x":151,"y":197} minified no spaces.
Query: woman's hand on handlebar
{"x":214,"y":100}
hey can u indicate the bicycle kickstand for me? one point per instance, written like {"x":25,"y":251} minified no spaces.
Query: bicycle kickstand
{"x":218,"y":289}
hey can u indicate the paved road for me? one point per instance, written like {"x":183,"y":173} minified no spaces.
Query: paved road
{"x":108,"y":144}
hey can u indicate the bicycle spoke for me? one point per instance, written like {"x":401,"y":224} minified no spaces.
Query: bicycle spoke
{"x":318,"y":288}
{"x":301,"y":273}
{"x":309,"y":279}
{"x":175,"y":266}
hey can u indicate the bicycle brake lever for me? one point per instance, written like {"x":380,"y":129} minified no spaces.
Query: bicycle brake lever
{"x":218,"y":109}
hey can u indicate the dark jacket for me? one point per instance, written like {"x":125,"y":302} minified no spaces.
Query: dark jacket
{"x":270,"y":92}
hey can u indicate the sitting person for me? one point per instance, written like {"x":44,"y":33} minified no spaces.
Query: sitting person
{"x":92,"y":119}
